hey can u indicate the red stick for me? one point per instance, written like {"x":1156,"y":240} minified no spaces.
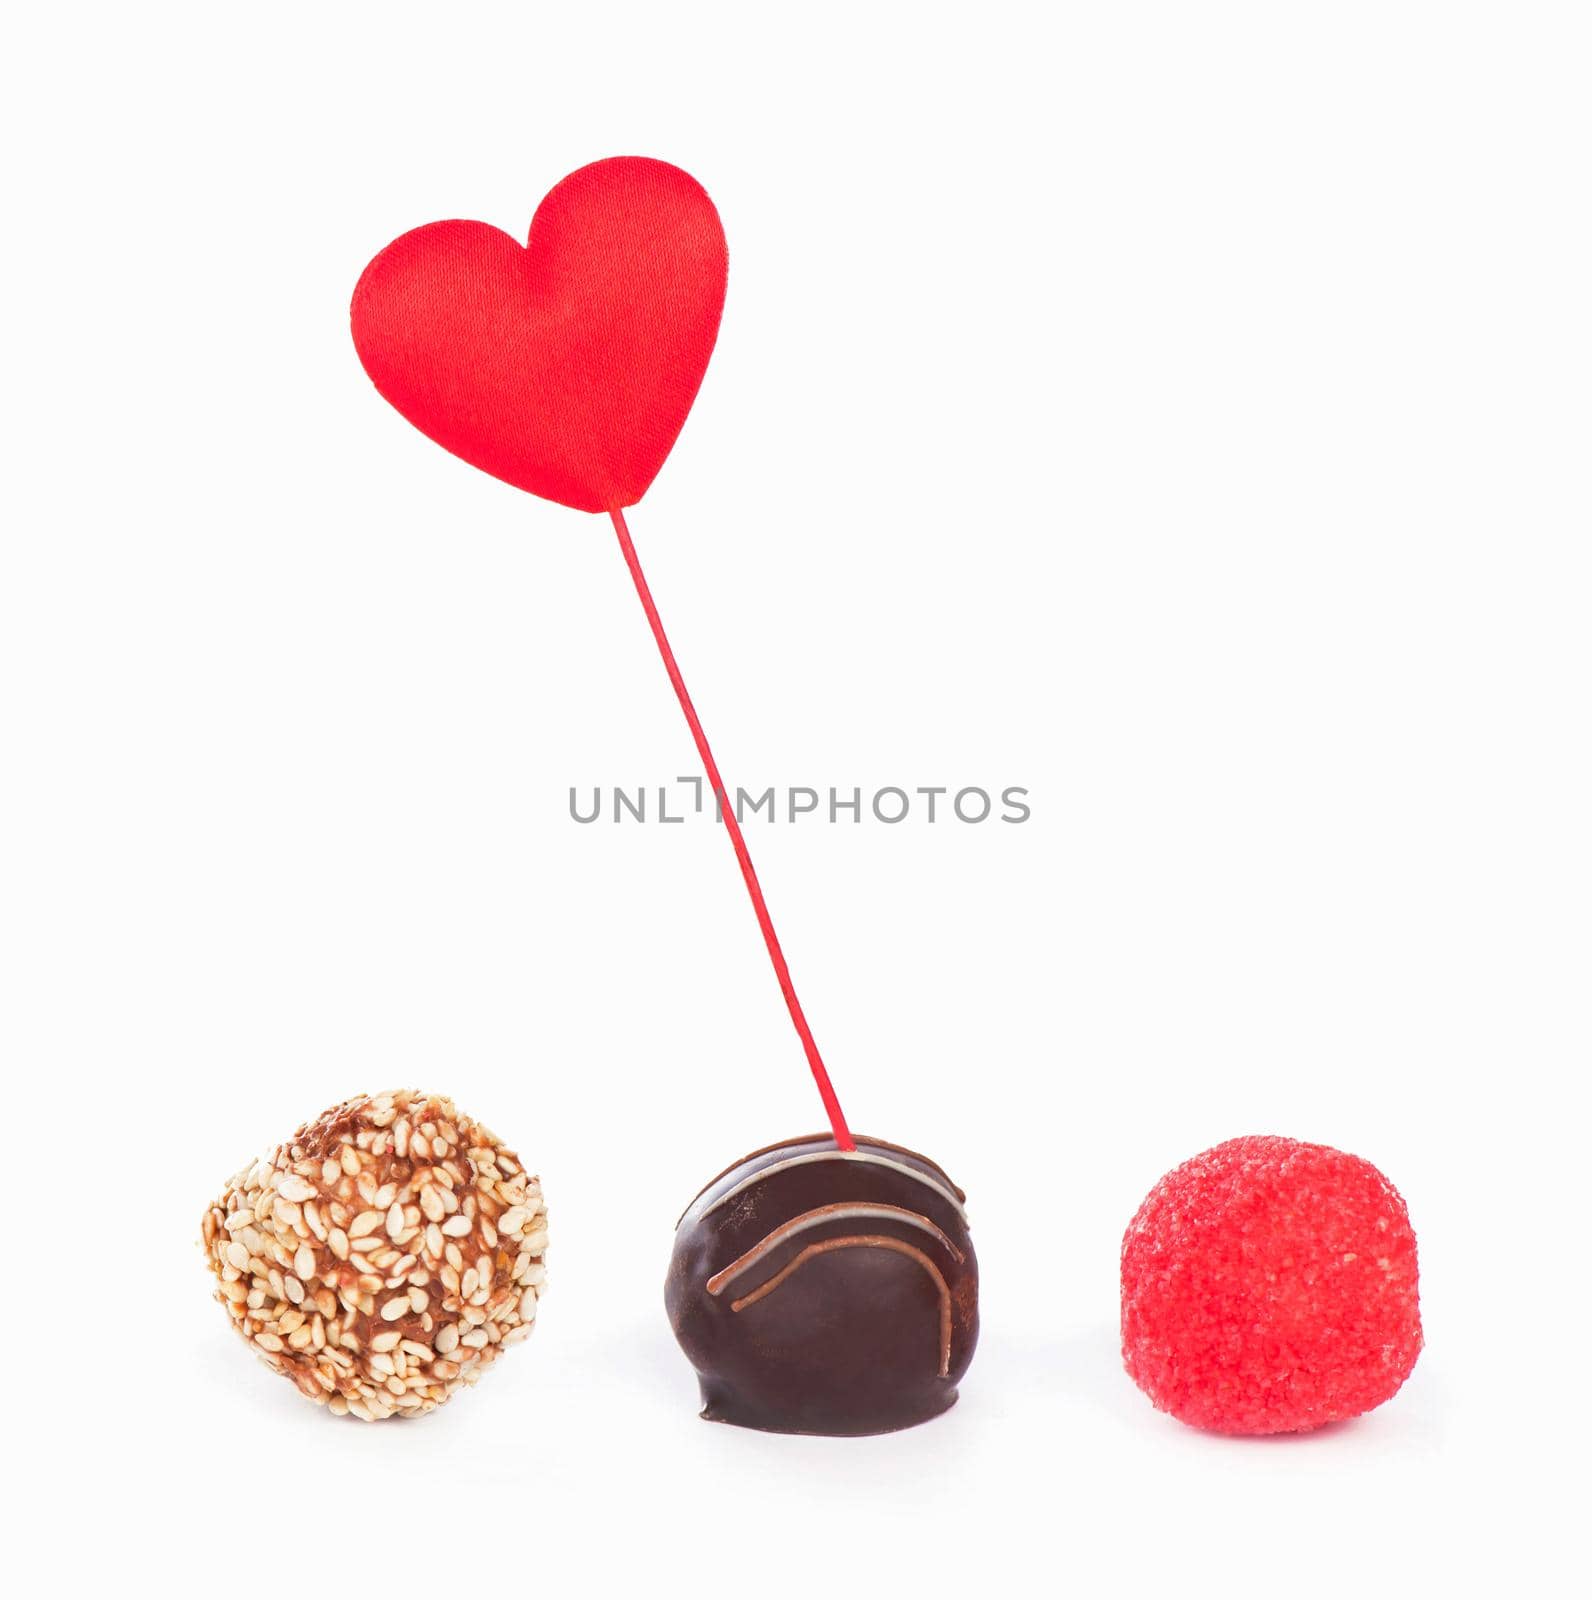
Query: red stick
{"x":837,"y":1118}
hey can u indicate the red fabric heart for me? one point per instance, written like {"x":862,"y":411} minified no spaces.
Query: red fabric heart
{"x":566,"y":368}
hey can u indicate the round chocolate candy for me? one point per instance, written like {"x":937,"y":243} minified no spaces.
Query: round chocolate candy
{"x":828,"y":1291}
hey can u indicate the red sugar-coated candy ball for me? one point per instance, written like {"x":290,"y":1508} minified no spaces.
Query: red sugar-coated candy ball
{"x":1269,"y":1286}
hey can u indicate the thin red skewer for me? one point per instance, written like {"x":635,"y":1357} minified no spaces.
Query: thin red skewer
{"x":837,"y":1118}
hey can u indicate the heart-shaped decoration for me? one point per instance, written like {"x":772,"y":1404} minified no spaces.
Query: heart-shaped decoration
{"x":566,"y":367}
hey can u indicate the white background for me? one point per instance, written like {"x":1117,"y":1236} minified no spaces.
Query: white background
{"x":1181,"y":411}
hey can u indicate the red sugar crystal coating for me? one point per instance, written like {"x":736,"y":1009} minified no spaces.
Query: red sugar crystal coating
{"x":1270,"y":1286}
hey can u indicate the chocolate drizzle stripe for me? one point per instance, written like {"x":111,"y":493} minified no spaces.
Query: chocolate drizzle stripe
{"x":841,"y":1211}
{"x":828,"y":1155}
{"x":870,"y":1241}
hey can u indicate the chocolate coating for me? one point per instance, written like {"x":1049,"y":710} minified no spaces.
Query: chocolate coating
{"x":822,"y":1291}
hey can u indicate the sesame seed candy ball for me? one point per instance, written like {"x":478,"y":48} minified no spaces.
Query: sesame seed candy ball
{"x":1270,"y":1286}
{"x":382,"y":1256}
